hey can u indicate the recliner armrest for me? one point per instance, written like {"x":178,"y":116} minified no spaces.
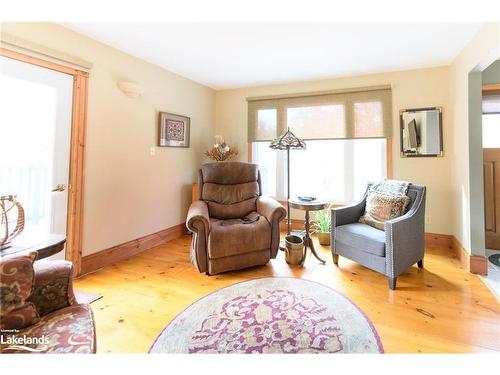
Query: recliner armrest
{"x":271,"y":209}
{"x":197,"y":217}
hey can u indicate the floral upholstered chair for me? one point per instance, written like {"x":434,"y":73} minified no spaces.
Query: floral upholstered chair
{"x":39,"y":313}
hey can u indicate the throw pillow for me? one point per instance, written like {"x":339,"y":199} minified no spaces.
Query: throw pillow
{"x":382,"y":207}
{"x":16,"y":285}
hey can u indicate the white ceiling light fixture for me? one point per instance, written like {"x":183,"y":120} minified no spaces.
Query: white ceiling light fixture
{"x":131,"y":89}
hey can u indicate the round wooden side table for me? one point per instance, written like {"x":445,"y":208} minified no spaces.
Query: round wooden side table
{"x":315,"y":205}
{"x":44,"y":247}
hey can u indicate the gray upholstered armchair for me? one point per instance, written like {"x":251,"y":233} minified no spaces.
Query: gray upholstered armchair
{"x":223,"y":240}
{"x":389,"y":252}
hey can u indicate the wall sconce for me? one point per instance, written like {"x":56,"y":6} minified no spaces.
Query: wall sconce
{"x":132,"y":90}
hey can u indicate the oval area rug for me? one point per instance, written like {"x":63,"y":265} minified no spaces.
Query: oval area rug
{"x":270,"y":315}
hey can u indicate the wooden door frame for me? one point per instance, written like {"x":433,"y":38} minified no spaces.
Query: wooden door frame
{"x":74,"y":226}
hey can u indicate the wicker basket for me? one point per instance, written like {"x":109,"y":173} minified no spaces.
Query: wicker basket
{"x":11,"y":219}
{"x":294,"y":249}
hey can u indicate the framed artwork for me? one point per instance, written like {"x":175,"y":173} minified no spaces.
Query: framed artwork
{"x":173,"y":130}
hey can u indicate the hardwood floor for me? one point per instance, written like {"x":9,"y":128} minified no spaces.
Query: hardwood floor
{"x":440,"y":309}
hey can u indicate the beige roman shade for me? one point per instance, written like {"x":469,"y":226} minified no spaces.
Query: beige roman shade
{"x":341,"y":114}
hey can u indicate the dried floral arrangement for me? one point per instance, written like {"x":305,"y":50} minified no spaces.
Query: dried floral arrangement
{"x":221,"y":151}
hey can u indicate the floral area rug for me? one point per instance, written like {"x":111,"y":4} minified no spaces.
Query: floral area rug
{"x":270,"y":315}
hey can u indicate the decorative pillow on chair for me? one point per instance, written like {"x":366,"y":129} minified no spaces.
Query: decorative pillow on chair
{"x":16,"y":285}
{"x":383,"y":207}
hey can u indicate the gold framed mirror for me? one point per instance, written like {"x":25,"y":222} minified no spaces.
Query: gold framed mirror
{"x":421,"y":132}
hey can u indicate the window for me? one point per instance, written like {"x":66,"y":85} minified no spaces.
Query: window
{"x":267,"y":123}
{"x":346,"y":135}
{"x":323,"y":121}
{"x":367,"y":118}
{"x":335,"y":170}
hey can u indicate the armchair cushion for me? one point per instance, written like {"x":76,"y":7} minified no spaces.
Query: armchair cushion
{"x":230,"y":194}
{"x":16,"y":286}
{"x":233,"y":237}
{"x":68,"y":330}
{"x":229,"y":173}
{"x":382,"y":207}
{"x":362,"y":237}
{"x":231,"y":211}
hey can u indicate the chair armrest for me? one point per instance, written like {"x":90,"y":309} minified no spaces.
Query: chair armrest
{"x":274,"y":212}
{"x":53,"y":286}
{"x":197,"y":217}
{"x":405,"y":238}
{"x":198,"y":222}
{"x":271,"y":209}
{"x":347,"y":214}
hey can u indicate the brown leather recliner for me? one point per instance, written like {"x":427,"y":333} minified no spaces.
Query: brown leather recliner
{"x":222,"y":241}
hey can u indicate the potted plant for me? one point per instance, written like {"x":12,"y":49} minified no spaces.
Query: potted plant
{"x":322,"y":224}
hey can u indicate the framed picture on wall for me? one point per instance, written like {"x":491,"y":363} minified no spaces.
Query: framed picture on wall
{"x":173,"y":130}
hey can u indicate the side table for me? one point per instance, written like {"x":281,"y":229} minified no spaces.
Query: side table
{"x":315,"y":205}
{"x":46,"y":246}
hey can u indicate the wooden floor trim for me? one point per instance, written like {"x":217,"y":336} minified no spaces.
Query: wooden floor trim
{"x":93,"y":262}
{"x":476,"y":264}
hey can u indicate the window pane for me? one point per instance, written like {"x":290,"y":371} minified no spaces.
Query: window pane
{"x":369,"y":160}
{"x":318,"y":122}
{"x":491,"y":131}
{"x":266,"y":158}
{"x":319,"y":170}
{"x":334,"y":170}
{"x":266,"y":120}
{"x":368,"y":119}
{"x":26,"y":165}
{"x":337,"y":170}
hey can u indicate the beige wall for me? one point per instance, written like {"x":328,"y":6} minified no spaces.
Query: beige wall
{"x":411,"y":89}
{"x":128,"y":193}
{"x":466,"y":199}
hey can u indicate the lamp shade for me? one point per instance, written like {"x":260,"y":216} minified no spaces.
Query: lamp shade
{"x":288,"y":140}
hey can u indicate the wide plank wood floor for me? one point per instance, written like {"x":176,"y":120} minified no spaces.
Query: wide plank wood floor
{"x":440,"y":309}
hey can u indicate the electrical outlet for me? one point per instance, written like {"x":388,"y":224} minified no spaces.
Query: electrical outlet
{"x":427,"y":219}
{"x":152,"y":151}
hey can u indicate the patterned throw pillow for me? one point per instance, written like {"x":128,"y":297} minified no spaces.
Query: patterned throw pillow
{"x":383,"y":207}
{"x":16,"y":285}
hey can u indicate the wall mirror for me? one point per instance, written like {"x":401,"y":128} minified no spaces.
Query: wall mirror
{"x":421,"y":132}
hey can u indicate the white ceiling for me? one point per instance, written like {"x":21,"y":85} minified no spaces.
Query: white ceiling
{"x":228,"y":55}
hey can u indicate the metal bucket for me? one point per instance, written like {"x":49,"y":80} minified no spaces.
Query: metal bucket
{"x":294,"y":249}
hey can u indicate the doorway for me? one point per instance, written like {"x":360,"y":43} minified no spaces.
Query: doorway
{"x":42,"y":137}
{"x":491,"y":172}
{"x":35,"y":124}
